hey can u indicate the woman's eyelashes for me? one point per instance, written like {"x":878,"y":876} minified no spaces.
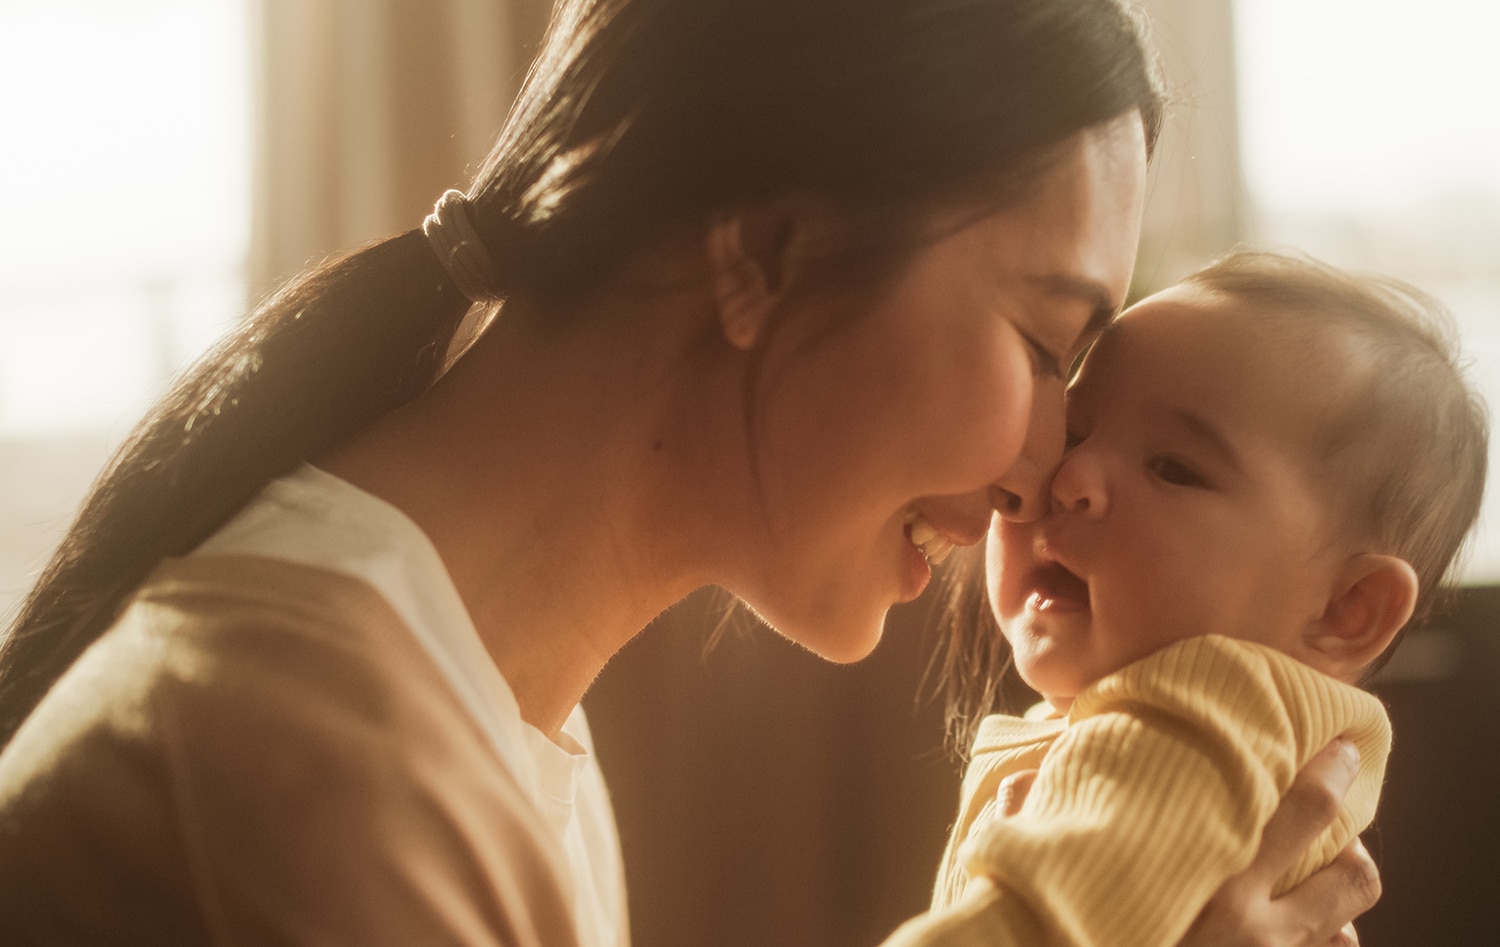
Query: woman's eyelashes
{"x":1044,"y":362}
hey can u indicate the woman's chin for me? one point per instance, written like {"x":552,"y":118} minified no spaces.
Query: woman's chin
{"x":854,"y":652}
{"x":845,"y":642}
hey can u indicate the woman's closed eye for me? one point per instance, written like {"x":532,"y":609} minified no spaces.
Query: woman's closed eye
{"x":1045,"y":362}
{"x":1171,"y":470}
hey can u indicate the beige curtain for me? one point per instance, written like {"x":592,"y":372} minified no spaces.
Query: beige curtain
{"x":366,"y":110}
{"x":1196,"y":200}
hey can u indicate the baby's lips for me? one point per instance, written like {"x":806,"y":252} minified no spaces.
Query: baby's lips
{"x":1055,"y":582}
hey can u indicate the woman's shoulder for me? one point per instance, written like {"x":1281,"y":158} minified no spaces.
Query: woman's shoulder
{"x":278,"y":732}
{"x":222,"y":641}
{"x":265,"y":677}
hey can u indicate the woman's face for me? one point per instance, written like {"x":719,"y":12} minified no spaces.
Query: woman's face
{"x":927,"y":406}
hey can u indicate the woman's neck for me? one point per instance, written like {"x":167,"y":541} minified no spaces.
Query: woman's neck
{"x":567,"y":478}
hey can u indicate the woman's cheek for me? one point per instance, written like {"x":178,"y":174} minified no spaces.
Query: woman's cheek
{"x":1001,"y":411}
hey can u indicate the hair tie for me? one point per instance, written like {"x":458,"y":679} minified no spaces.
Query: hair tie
{"x":451,"y":233}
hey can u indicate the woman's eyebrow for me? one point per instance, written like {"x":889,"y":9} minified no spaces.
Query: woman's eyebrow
{"x":1101,"y":302}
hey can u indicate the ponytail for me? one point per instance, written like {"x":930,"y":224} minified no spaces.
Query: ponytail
{"x":638,"y":117}
{"x":340,"y":346}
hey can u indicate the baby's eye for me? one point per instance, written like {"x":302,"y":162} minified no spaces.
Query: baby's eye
{"x":1173,"y":471}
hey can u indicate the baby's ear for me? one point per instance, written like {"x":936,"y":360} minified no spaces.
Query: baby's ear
{"x":1371,"y":601}
{"x":754,"y":256}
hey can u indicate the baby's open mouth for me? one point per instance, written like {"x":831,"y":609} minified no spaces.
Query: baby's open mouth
{"x":1055,"y":585}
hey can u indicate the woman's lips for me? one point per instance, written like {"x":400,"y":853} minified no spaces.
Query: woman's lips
{"x":1055,"y":589}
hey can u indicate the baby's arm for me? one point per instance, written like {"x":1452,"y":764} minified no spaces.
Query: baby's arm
{"x":1318,"y":912}
{"x":1156,"y":796}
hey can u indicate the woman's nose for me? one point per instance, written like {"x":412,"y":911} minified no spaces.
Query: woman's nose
{"x":1021,"y":494}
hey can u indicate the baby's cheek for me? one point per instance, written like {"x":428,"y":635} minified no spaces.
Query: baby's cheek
{"x":1007,"y":555}
{"x":1141,"y":630}
{"x":994,"y":572}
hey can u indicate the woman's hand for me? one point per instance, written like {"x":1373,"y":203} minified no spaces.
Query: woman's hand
{"x":1321,"y":910}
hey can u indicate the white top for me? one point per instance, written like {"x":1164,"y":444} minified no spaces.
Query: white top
{"x":312,"y":518}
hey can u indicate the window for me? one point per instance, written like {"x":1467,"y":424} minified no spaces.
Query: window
{"x":1369,"y":141}
{"x":125,"y":188}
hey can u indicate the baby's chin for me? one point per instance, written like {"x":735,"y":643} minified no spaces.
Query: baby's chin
{"x":1057,"y":692}
{"x":1060,"y":704}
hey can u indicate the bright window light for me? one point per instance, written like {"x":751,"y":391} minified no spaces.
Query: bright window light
{"x":125,"y":188}
{"x":1370,"y":141}
{"x":125,"y":196}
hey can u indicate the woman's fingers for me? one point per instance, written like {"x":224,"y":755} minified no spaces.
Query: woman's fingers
{"x":1320,"y":911}
{"x":1329,"y":900}
{"x":1309,"y":807}
{"x":1316,"y":913}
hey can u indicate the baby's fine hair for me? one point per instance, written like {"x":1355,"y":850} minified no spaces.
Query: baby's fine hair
{"x":1406,"y":456}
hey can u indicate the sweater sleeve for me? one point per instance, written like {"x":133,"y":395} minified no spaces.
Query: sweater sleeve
{"x":1155,"y":794}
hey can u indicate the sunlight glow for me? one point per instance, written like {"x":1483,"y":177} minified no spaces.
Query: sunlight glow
{"x":126,"y":196}
{"x":1370,"y":141}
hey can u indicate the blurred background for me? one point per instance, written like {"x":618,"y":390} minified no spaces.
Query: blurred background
{"x":167,"y":162}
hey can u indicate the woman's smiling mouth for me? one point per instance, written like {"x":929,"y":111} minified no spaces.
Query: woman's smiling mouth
{"x":935,"y":548}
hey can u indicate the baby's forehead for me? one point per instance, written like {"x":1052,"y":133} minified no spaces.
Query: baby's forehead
{"x":1208,"y":325}
{"x":1191,"y":303}
{"x":1206,"y":349}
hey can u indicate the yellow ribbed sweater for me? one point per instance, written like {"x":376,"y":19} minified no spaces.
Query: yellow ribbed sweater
{"x":1149,"y":795}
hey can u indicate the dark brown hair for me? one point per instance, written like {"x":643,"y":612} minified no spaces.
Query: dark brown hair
{"x":638,"y":117}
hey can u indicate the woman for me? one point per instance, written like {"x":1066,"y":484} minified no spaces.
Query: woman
{"x":777,"y":296}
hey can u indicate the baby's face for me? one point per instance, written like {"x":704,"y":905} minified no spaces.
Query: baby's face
{"x":1184,"y":506}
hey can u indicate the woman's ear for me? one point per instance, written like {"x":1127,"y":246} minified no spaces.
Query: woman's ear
{"x":1371,"y":601}
{"x":752,"y":258}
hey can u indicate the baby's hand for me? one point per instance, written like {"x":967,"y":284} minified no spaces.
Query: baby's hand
{"x":1013,"y":791}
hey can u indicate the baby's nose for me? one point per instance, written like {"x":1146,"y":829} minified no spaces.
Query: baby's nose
{"x":1077,"y":486}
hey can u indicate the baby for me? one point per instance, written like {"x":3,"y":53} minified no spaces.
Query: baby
{"x":1270,"y":469}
